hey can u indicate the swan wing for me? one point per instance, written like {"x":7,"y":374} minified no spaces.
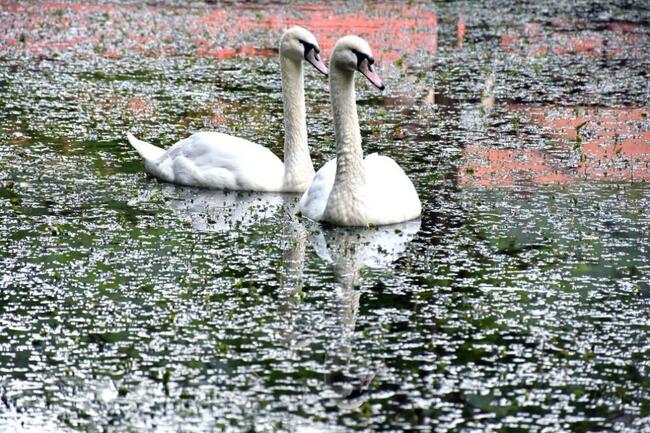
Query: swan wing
{"x":390,"y":196}
{"x":313,"y":201}
{"x":216,"y":160}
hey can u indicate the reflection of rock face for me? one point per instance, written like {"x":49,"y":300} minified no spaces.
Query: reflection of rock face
{"x":221,"y":210}
{"x":567,"y":38}
{"x":587,"y":142}
{"x":222,"y":32}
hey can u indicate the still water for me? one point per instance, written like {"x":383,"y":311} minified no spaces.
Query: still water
{"x":519,"y":302}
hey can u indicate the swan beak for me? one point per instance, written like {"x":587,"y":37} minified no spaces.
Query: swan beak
{"x":313,"y":57}
{"x":365,"y":67}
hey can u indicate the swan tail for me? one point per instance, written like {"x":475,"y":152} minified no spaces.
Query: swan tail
{"x":147,"y":151}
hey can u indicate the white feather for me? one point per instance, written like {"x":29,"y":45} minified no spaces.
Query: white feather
{"x":221,"y":161}
{"x":351,"y":190}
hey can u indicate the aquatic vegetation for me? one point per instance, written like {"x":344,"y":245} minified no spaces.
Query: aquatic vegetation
{"x":519,"y":302}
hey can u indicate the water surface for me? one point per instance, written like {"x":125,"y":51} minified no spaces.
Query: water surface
{"x":519,"y":302}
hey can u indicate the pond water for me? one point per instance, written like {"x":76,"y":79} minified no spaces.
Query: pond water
{"x":519,"y":302}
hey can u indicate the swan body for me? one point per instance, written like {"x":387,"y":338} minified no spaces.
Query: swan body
{"x":351,"y":190}
{"x":215,"y":160}
{"x":391,"y":199}
{"x":221,"y":161}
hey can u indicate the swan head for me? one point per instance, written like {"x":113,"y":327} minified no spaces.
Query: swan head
{"x":299,"y":44}
{"x":351,"y":53}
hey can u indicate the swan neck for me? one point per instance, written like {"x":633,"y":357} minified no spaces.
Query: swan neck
{"x":346,"y":120}
{"x":298,"y":168}
{"x":346,"y":203}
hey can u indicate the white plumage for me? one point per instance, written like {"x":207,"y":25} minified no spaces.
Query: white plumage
{"x":214,"y":160}
{"x":389,"y":195}
{"x":222,"y":161}
{"x":351,"y":190}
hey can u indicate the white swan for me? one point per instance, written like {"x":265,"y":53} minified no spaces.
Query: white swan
{"x":350,"y":190}
{"x":221,"y":161}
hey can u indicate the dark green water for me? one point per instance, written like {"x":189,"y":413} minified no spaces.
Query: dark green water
{"x":518,"y":303}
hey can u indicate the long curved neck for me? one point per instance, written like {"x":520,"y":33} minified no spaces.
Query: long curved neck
{"x":350,"y":179}
{"x":298,"y":168}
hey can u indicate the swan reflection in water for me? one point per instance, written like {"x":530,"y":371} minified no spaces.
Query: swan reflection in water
{"x":347,"y":251}
{"x":216,"y":210}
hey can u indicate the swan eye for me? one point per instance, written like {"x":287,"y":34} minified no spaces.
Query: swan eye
{"x":308,"y":47}
{"x":371,"y":61}
{"x":363,"y":56}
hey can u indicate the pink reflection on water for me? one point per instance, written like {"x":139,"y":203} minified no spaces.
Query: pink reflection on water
{"x":460,"y":30}
{"x":116,"y":30}
{"x":392,"y":30}
{"x":588,"y":143}
{"x":565,"y":37}
{"x":487,"y":166}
